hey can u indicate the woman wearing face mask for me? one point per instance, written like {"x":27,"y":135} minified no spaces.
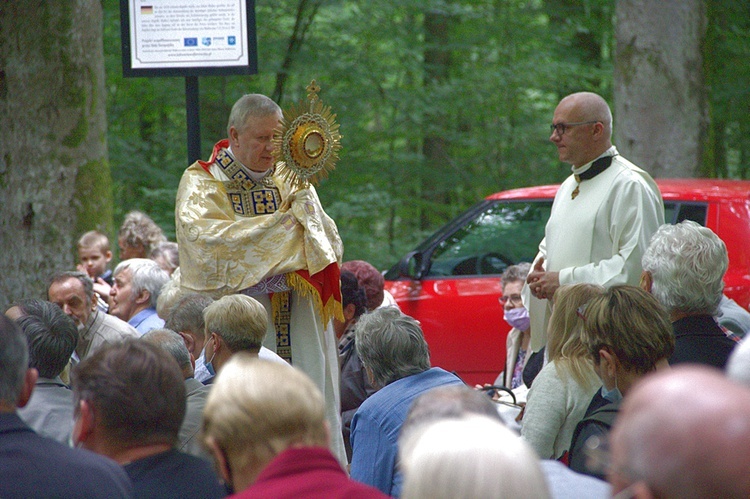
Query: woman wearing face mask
{"x":563,"y":389}
{"x":516,"y":315}
{"x":627,"y":334}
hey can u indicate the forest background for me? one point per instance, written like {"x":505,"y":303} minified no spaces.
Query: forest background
{"x":440,"y":104}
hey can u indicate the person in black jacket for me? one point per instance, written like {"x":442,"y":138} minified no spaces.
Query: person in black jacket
{"x":129,"y":406}
{"x":684,"y":269}
{"x":355,"y":387}
{"x":35,"y":466}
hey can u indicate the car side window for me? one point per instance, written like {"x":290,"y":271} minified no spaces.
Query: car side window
{"x":506,"y":233}
{"x":675,"y":212}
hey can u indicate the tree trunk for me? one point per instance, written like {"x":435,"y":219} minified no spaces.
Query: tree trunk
{"x":54,"y":175}
{"x":661,"y":111}
{"x":437,"y":61}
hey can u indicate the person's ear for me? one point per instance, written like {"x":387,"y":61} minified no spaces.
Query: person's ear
{"x":233,"y":136}
{"x":598,"y":130}
{"x":647,"y":281}
{"x":143,"y":297}
{"x":609,"y":360}
{"x":349,"y":312}
{"x":29,"y":380}
{"x":220,"y":460}
{"x":218,"y":343}
{"x":108,"y":256}
{"x":84,"y":422}
{"x":189,"y":341}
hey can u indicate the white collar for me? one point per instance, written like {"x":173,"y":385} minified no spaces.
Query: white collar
{"x":256,"y":176}
{"x":612,"y":151}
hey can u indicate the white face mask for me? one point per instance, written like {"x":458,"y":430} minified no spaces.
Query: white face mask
{"x":518,"y":318}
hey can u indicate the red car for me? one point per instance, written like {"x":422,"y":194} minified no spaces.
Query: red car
{"x":451,"y":282}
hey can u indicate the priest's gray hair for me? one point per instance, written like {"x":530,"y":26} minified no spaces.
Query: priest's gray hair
{"x":391,"y":345}
{"x":251,"y":105}
{"x":687,"y":263}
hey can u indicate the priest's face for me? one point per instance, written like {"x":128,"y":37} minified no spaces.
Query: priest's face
{"x":252,"y":145}
{"x":575,"y":144}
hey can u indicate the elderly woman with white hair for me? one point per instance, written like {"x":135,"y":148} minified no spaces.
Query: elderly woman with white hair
{"x":684,"y":268}
{"x":472,"y":456}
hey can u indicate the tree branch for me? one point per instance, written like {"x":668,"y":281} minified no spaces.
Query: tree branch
{"x":302,"y":23}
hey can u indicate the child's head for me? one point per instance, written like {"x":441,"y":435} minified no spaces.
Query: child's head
{"x":94,"y":253}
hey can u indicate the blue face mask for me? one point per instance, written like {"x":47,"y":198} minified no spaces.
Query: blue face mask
{"x":612,"y":395}
{"x":210,"y":368}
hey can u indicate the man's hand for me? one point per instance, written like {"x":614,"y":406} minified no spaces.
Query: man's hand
{"x":298,"y":195}
{"x":102,"y":288}
{"x":287,"y":203}
{"x":541,"y":283}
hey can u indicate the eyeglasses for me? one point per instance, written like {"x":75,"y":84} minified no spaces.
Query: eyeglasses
{"x":516,"y":300}
{"x":561,"y":127}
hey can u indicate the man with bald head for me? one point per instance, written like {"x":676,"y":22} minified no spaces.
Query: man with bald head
{"x":683,"y":433}
{"x":603,"y":215}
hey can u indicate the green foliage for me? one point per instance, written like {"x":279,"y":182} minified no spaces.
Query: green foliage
{"x":432,"y":120}
{"x":726,"y":52}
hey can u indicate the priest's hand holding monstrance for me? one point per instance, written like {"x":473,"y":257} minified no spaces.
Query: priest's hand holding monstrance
{"x":306,"y":142}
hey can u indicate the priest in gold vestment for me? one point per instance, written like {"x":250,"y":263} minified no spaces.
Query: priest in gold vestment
{"x":242,"y":228}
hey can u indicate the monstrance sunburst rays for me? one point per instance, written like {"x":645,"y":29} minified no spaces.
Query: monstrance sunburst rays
{"x":307,"y":141}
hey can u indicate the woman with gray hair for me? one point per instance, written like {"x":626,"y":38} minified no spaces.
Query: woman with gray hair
{"x":517,"y":316}
{"x":138,"y":236}
{"x":395,"y":356}
{"x":684,"y":268}
{"x":167,"y":255}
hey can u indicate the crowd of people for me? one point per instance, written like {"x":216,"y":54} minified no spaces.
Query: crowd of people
{"x":247,"y":358}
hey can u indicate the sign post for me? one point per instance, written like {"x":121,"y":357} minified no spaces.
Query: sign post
{"x":188,"y":38}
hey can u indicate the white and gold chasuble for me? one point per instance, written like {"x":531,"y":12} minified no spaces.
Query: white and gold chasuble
{"x":232,"y":234}
{"x":234,"y":237}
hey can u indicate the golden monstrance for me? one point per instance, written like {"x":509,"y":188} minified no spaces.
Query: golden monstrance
{"x":307,"y":141}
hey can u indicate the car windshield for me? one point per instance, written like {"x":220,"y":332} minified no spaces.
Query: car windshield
{"x":505,"y":233}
